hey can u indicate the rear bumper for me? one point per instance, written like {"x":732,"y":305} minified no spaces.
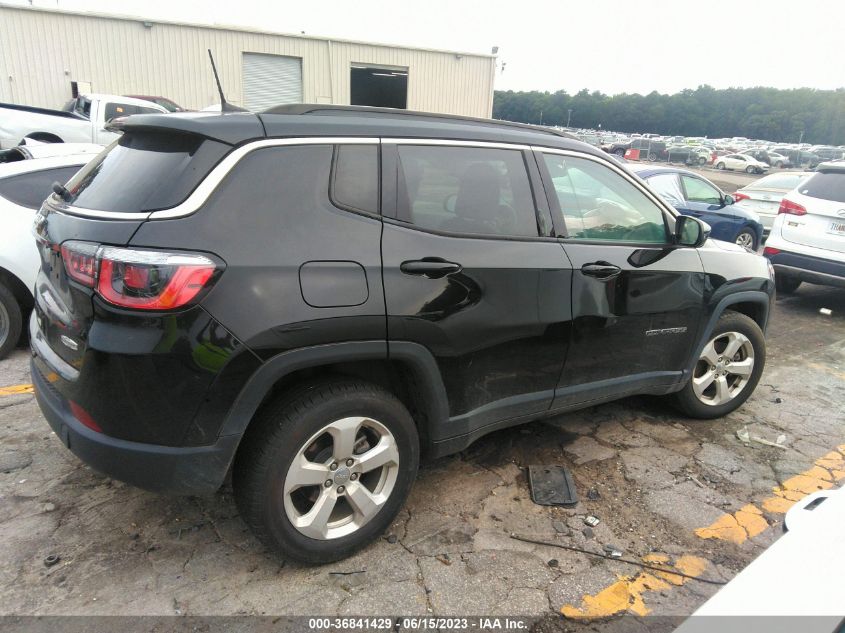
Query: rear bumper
{"x":178,"y":470}
{"x":814,"y":270}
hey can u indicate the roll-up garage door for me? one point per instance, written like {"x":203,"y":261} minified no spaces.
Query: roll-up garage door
{"x":271,"y":80}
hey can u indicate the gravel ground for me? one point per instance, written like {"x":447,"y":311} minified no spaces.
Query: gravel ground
{"x":682,"y":494}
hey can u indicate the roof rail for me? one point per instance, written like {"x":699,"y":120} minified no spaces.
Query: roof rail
{"x":317,"y":108}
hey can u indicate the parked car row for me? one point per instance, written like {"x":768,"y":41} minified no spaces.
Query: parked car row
{"x":692,"y":150}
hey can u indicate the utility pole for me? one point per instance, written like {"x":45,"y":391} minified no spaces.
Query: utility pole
{"x":541,"y":117}
{"x":568,"y":116}
{"x":801,"y":137}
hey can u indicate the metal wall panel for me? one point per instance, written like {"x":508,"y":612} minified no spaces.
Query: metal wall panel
{"x":43,"y":50}
{"x":271,"y":80}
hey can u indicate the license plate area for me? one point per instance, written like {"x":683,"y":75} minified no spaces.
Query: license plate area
{"x":837,"y":228}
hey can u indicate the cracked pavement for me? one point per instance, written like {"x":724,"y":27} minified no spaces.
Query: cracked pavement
{"x":678,"y":493}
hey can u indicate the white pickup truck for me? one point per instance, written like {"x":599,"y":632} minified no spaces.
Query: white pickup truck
{"x":83,"y":120}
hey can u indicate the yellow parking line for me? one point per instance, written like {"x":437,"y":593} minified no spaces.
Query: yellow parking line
{"x":15,"y":389}
{"x":626,"y":594}
{"x":748,"y":521}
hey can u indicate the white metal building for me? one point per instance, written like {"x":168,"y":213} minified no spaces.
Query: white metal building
{"x":45,"y":53}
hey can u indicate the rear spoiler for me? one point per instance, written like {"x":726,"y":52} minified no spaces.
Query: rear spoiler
{"x":231,"y":128}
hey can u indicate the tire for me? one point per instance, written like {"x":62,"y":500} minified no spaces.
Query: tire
{"x":747,"y":239}
{"x":720,"y":166}
{"x":11,"y":321}
{"x":786,"y":285}
{"x":652,"y":157}
{"x":731,"y":328}
{"x":750,"y":170}
{"x":779,"y":165}
{"x":619,"y":152}
{"x":702,"y":161}
{"x":290,"y":427}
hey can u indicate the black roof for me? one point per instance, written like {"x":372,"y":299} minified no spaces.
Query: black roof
{"x":330,"y":120}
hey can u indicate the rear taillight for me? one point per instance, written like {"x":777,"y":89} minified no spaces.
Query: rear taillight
{"x":741,"y":196}
{"x":83,"y":416}
{"x":139,"y":279}
{"x":769,"y":250}
{"x":80,"y":259}
{"x":792,"y":208}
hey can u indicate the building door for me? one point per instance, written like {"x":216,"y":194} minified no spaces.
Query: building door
{"x":271,"y":80}
{"x":378,"y":87}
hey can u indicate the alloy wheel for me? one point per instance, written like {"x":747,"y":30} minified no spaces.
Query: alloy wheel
{"x":723,"y":369}
{"x":746,"y":240}
{"x":5,"y":324}
{"x":341,"y":478}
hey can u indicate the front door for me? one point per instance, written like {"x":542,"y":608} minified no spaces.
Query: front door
{"x":636,"y":298}
{"x":469,"y":275}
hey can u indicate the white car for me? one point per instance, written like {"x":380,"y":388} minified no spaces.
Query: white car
{"x":807,"y":242}
{"x":25,"y":181}
{"x":779,"y":160}
{"x":763,"y":196}
{"x":793,"y":578}
{"x":741,"y":162}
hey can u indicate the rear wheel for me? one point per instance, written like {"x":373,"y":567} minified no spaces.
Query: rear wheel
{"x":747,"y":239}
{"x":750,"y":170}
{"x":325,"y":469}
{"x":619,"y":152}
{"x":785,"y":284}
{"x":702,"y":160}
{"x":11,"y":321}
{"x":727,"y":370}
{"x":652,"y":157}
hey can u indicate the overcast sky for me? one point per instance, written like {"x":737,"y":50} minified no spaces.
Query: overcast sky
{"x":608,"y":45}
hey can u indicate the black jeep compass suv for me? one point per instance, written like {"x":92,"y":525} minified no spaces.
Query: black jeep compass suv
{"x":316,"y":296}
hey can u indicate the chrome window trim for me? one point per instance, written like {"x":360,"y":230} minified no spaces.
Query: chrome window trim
{"x":455,"y":143}
{"x":204,"y":190}
{"x":661,"y":204}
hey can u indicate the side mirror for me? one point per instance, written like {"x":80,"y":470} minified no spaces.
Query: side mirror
{"x":690,"y":231}
{"x":728,"y":200}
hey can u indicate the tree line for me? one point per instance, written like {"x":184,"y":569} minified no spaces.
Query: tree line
{"x":814,"y":116}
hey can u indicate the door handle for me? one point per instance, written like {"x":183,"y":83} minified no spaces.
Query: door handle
{"x":601,"y":270}
{"x":431,"y":267}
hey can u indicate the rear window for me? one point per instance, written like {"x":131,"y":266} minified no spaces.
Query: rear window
{"x":778,"y":181}
{"x":30,"y":189}
{"x":825,"y":185}
{"x":145,"y":172}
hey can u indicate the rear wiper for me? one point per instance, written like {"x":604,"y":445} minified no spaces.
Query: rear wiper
{"x":61,"y":191}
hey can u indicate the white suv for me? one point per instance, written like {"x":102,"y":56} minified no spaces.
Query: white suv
{"x":807,"y":242}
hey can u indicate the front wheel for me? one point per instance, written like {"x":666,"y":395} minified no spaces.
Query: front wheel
{"x":11,"y":321}
{"x":727,"y":370}
{"x":325,"y":469}
{"x":652,"y":157}
{"x":747,"y":239}
{"x":720,"y":166}
{"x":702,"y":160}
{"x":750,"y":170}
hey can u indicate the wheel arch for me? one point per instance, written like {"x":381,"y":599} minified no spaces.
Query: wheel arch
{"x":407,"y":370}
{"x":22,"y":294}
{"x":754,"y":304}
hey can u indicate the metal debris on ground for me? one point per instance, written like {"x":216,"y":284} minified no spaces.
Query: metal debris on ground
{"x":51,"y":560}
{"x":613,"y":551}
{"x":552,"y":486}
{"x":591,"y":521}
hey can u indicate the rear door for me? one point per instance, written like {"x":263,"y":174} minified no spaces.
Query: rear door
{"x":472,"y":274}
{"x":636,"y":298}
{"x":823,"y":226}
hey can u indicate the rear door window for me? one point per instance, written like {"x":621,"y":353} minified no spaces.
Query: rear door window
{"x":827,"y":185}
{"x":30,"y":189}
{"x":145,"y":172}
{"x":468,"y":190}
{"x":700,"y":191}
